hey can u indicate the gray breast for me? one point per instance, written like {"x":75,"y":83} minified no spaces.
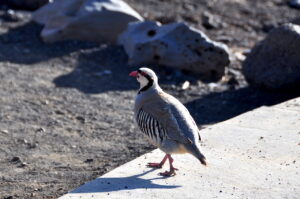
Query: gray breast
{"x":150,"y":127}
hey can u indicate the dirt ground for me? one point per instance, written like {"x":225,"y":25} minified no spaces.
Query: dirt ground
{"x":64,"y":121}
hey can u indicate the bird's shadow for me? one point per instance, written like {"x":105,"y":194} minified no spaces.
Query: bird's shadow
{"x":122,"y":183}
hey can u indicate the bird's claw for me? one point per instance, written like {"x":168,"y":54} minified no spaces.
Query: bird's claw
{"x":168,"y":173}
{"x":154,"y":165}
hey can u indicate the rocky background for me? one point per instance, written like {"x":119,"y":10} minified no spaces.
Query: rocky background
{"x":66,"y":107}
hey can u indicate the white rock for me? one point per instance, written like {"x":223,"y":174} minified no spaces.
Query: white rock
{"x":175,"y":45}
{"x":92,"y":20}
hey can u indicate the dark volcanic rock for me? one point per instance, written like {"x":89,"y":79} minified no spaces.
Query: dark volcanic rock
{"x":274,"y":63}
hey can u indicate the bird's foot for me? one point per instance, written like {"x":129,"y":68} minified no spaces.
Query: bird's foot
{"x":154,"y":165}
{"x":169,"y":173}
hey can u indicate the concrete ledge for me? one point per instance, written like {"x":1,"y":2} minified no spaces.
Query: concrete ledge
{"x":254,"y":155}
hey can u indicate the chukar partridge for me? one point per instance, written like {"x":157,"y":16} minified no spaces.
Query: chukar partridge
{"x":165,"y":121}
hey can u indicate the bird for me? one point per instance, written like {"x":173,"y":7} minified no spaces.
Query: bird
{"x":165,"y":121}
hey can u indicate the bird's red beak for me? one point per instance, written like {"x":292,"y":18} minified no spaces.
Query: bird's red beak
{"x":133,"y":74}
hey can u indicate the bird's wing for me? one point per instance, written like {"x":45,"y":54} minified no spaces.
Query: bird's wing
{"x":186,"y":122}
{"x":168,"y":115}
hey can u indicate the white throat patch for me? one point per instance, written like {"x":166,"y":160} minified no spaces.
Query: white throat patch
{"x":142,"y":80}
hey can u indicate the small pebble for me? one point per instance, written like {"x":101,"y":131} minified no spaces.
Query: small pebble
{"x":40,"y":130}
{"x":59,"y":112}
{"x":15,"y":159}
{"x":185,"y":85}
{"x":89,"y":160}
{"x":10,"y":16}
{"x":24,"y":141}
{"x":4,"y":131}
{"x":80,"y":118}
{"x":32,"y":145}
{"x":209,"y":21}
{"x":23,"y":164}
{"x":239,"y":56}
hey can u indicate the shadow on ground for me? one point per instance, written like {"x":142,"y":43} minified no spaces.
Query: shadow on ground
{"x":102,"y":69}
{"x":99,"y":70}
{"x":116,"y":184}
{"x":22,"y":44}
{"x":218,"y":107}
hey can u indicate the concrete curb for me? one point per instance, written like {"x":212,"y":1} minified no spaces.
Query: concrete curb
{"x":254,"y":155}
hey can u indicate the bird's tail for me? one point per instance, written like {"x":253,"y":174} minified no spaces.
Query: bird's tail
{"x":195,"y":150}
{"x":202,"y":159}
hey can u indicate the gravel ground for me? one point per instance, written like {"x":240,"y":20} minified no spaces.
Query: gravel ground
{"x":66,"y":108}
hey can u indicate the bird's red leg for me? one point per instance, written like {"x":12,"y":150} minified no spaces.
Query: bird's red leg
{"x":172,"y":169}
{"x":158,"y":165}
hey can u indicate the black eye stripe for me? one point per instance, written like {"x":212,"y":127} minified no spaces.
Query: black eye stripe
{"x":148,"y":77}
{"x":144,"y":74}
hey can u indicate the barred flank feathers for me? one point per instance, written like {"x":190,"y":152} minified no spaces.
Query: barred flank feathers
{"x":150,"y":126}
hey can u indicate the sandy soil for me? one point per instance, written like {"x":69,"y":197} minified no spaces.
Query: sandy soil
{"x":63,"y":122}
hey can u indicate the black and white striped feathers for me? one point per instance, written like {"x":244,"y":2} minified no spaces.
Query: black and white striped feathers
{"x":150,"y":127}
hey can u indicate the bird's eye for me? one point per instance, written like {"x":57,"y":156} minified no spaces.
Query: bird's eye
{"x":137,"y":76}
